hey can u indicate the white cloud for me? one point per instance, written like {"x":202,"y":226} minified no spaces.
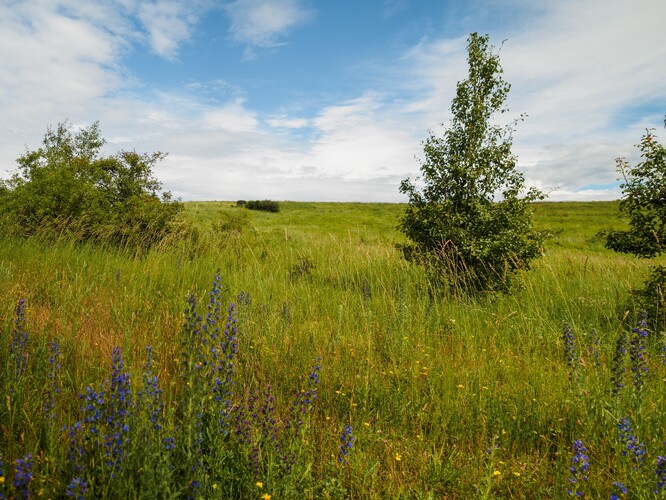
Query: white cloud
{"x":581,"y":71}
{"x":263,"y":23}
{"x":169,"y":23}
{"x":232,"y":117}
{"x":288,"y":122}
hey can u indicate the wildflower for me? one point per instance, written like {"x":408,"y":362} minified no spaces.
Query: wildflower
{"x":580,"y":465}
{"x":23,"y":475}
{"x":150,"y":395}
{"x":660,"y":471}
{"x":570,"y":353}
{"x":618,"y":490}
{"x":118,"y":408}
{"x":497,"y":473}
{"x":259,"y":484}
{"x":398,"y":457}
{"x":639,"y":368}
{"x":516,"y":473}
{"x":631,"y":443}
{"x":594,"y":347}
{"x":244,"y":298}
{"x":18,"y":349}
{"x":77,"y":488}
{"x":346,"y":443}
{"x":265,"y":496}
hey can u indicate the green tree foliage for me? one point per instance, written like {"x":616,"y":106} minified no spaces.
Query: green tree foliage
{"x":470,"y":223}
{"x":68,"y":187}
{"x":643,"y":202}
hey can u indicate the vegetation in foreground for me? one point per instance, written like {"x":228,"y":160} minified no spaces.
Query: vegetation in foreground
{"x":557,"y":388}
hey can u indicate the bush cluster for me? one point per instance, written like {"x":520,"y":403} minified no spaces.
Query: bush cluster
{"x":262,"y":205}
{"x":68,"y":188}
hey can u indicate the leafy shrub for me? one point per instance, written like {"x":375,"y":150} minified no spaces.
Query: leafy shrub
{"x":263,"y":205}
{"x":469,"y":224}
{"x":643,"y":202}
{"x":66,"y":187}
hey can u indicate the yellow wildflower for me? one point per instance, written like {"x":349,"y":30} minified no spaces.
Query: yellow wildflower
{"x":398,"y":457}
{"x":265,"y":496}
{"x":2,"y":479}
{"x":497,"y":473}
{"x":260,"y":484}
{"x":517,"y":474}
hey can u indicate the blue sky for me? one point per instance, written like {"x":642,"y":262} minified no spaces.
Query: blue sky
{"x":330,"y":100}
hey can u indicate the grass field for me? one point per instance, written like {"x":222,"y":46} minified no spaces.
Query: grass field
{"x":416,"y":396}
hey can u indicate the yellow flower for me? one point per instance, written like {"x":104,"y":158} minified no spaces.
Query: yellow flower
{"x":260,"y":484}
{"x":2,"y":479}
{"x":517,"y":474}
{"x":214,"y":486}
{"x":398,"y":457}
{"x":460,"y":386}
{"x":497,"y":473}
{"x":366,"y":424}
{"x":265,"y":496}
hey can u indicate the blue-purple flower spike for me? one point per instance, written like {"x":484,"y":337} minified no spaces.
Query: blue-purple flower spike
{"x":18,"y":349}
{"x":580,"y":465}
{"x":619,"y":490}
{"x":660,"y":471}
{"x":346,"y":443}
{"x":633,"y":447}
{"x":23,"y":476}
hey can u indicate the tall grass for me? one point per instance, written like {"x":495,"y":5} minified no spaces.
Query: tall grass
{"x":418,"y":395}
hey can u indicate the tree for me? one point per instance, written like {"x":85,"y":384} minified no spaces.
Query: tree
{"x":68,"y":187}
{"x":471,"y":223}
{"x":643,"y":202}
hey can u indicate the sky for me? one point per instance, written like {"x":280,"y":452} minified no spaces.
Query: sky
{"x":322,"y":100}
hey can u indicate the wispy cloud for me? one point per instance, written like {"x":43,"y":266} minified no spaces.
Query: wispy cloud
{"x":264,"y":23}
{"x":169,"y":23}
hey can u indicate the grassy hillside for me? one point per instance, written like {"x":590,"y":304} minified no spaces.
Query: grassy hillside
{"x":445,"y":398}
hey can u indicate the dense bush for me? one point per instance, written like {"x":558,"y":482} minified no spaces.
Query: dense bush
{"x":67,"y":187}
{"x":643,"y":202}
{"x":263,"y":205}
{"x":471,"y":223}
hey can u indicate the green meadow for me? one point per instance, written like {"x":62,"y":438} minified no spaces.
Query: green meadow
{"x":447,"y":397}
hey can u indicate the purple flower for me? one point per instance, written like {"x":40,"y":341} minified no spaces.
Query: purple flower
{"x":23,"y":476}
{"x":570,"y":353}
{"x":633,"y":447}
{"x":580,"y":465}
{"x":618,"y":489}
{"x":346,"y":443}
{"x":118,"y":411}
{"x":18,"y":349}
{"x":77,"y":488}
{"x":660,"y":471}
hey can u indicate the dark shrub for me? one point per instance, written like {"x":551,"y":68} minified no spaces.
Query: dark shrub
{"x":263,"y":205}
